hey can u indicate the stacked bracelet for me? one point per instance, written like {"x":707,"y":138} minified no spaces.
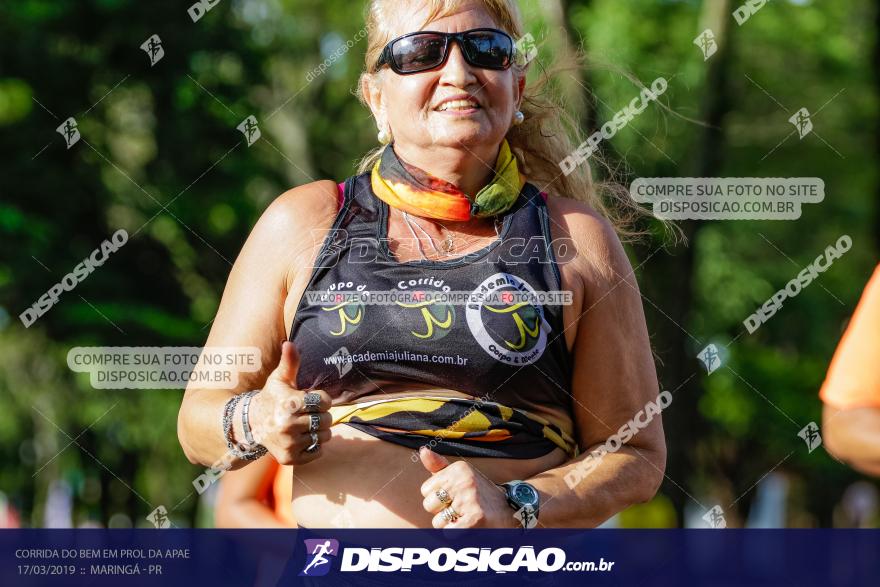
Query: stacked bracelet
{"x":247,"y":452}
{"x":245,"y":422}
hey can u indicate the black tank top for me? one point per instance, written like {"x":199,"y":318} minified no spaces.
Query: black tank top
{"x":516,"y":358}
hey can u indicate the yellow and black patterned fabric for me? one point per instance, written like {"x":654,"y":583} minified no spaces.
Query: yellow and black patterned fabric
{"x":457,"y":427}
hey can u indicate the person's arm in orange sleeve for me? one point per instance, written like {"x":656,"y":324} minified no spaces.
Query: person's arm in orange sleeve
{"x":245,"y":497}
{"x":851,"y":392}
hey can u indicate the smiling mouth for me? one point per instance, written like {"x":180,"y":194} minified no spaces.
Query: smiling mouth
{"x":458,"y":106}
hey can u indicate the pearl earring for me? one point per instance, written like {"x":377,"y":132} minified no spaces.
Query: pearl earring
{"x":384,"y":136}
{"x":518,"y":118}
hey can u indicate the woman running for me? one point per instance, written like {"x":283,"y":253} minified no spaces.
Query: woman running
{"x":477,"y":411}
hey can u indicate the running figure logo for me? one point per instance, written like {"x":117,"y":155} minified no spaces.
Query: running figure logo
{"x":153,"y":49}
{"x":159,"y":517}
{"x":810,"y":435}
{"x":525,"y":50}
{"x":317,"y":549}
{"x":801,"y":121}
{"x":715,"y":518}
{"x":710,"y":357}
{"x":68,"y":129}
{"x":250,"y":129}
{"x":707,"y":44}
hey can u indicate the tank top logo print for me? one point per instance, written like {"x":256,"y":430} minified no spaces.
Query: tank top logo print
{"x":425,"y":319}
{"x":343,"y":317}
{"x":513,"y":331}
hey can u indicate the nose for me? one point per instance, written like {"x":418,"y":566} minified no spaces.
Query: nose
{"x":457,"y":71}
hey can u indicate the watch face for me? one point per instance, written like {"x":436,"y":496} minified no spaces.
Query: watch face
{"x":525,"y":494}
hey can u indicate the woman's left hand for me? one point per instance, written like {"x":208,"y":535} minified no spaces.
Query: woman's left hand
{"x":479,"y":502}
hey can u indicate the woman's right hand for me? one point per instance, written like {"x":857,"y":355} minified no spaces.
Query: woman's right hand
{"x":277,"y":414}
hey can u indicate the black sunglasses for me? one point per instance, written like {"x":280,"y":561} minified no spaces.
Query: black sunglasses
{"x":424,"y":50}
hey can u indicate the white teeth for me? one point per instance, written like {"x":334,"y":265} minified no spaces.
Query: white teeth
{"x":458,"y":105}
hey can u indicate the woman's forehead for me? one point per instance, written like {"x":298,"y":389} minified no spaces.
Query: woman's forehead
{"x":468,"y":15}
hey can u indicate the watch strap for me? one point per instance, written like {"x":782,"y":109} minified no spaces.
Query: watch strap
{"x":527,"y":514}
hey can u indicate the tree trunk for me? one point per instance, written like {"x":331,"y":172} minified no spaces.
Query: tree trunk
{"x":667,"y":279}
{"x":577,"y":87}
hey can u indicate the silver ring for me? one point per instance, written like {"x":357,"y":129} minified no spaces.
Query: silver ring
{"x":314,"y":446}
{"x":443,"y":496}
{"x":311,"y":402}
{"x":450,"y":515}
{"x":314,"y":422}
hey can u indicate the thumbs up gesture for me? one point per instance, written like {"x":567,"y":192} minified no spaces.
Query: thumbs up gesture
{"x":465,"y":494}
{"x":287,"y":420}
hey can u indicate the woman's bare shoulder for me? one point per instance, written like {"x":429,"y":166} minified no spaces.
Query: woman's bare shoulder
{"x":309,"y":206}
{"x":577,"y":214}
{"x":288,"y":229}
{"x":598,"y":253}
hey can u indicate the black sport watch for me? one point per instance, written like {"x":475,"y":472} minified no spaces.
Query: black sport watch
{"x":524,"y":499}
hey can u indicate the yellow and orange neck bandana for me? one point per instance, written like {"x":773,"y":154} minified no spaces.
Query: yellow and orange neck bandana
{"x":416,"y":191}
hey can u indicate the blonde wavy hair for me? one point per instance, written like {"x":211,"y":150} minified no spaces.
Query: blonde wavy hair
{"x":549,"y":133}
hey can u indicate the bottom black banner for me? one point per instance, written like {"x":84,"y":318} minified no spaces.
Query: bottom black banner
{"x":179,"y":557}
